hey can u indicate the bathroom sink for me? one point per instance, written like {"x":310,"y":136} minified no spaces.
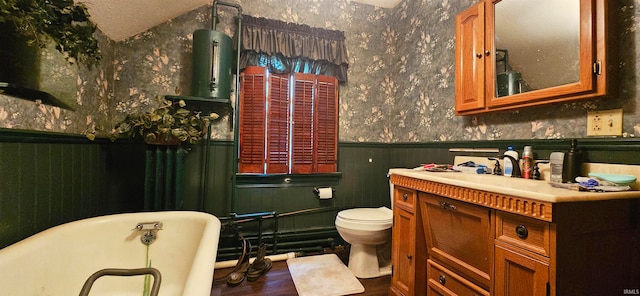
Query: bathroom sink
{"x":534,"y":189}
{"x":493,"y":181}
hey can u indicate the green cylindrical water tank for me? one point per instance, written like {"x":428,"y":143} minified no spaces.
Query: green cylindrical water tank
{"x":212,"y":60}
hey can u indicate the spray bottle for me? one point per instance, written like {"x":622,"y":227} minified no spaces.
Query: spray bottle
{"x":527,"y":163}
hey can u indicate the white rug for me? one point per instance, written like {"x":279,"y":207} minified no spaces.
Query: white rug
{"x":323,"y":275}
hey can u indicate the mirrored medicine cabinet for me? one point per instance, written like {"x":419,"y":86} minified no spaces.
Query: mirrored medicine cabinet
{"x":519,"y":53}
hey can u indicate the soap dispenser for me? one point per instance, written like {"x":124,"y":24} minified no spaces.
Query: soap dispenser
{"x":572,"y":164}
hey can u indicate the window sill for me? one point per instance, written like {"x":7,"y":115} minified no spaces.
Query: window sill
{"x":287,"y":180}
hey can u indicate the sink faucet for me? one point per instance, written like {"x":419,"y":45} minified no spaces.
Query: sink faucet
{"x":498,"y":171}
{"x":516,"y":166}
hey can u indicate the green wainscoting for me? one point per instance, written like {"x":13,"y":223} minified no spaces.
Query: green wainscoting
{"x":49,"y":179}
{"x":363,"y":181}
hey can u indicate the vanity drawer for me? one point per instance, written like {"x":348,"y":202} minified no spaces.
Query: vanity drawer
{"x":406,"y":198}
{"x":523,"y":232}
{"x":442,"y":281}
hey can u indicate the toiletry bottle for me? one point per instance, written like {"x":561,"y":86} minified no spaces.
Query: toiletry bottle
{"x":527,"y":162}
{"x":572,"y":166}
{"x":556,"y":160}
{"x":508,"y":166}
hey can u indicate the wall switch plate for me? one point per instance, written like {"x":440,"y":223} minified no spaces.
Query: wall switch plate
{"x":604,"y":123}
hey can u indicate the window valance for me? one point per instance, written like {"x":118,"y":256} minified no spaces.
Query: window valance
{"x":288,"y":47}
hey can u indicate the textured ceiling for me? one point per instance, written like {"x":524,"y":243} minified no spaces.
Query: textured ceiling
{"x":120,"y":19}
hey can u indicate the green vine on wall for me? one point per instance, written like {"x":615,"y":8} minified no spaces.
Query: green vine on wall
{"x":64,"y":22}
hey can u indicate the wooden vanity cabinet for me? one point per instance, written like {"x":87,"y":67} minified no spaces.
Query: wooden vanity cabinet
{"x":465,"y":259}
{"x":522,"y":250}
{"x":475,"y":242}
{"x":408,"y":255}
{"x":589,"y":248}
{"x":519,"y":274}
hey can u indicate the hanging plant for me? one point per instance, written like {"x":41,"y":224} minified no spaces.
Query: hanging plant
{"x":166,"y":124}
{"x":62,"y":22}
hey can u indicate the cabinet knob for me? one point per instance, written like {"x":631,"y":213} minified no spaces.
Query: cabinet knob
{"x":487,"y":53}
{"x":404,"y":197}
{"x":479,"y":55}
{"x":522,"y":231}
{"x":409,"y":256}
{"x":442,"y":279}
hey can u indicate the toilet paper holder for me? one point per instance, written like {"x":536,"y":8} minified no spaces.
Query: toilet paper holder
{"x":316,"y":190}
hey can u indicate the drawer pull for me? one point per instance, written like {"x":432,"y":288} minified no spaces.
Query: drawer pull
{"x":522,"y":231}
{"x":442,"y":279}
{"x":447,"y":206}
{"x":404,"y":197}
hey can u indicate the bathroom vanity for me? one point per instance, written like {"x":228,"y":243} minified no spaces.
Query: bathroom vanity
{"x":467,"y":234}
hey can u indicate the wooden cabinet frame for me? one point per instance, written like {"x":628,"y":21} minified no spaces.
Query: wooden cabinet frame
{"x":408,"y":255}
{"x":476,"y":61}
{"x":571,"y":248}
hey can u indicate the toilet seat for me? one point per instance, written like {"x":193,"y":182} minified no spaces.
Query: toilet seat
{"x":367,"y":215}
{"x":365,"y":218}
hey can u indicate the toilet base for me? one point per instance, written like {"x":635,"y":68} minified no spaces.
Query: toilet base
{"x":363,"y":262}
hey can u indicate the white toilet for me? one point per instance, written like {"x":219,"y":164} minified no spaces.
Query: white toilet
{"x":368,"y":230}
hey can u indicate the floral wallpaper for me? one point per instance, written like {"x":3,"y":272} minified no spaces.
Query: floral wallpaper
{"x":401,"y":76}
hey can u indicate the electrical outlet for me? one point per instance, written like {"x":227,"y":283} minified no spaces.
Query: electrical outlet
{"x":604,"y":123}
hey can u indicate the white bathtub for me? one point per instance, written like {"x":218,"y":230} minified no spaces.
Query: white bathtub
{"x":59,"y":260}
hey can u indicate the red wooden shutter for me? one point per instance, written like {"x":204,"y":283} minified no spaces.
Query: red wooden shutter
{"x":302,"y":123}
{"x":252,"y":127}
{"x":278,"y":124}
{"x":326,"y":125}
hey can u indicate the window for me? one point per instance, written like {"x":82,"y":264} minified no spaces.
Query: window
{"x":288,"y":123}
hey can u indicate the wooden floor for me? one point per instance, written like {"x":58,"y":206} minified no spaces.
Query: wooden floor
{"x":278,"y":282}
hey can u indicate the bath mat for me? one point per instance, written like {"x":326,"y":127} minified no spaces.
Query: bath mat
{"x":323,"y":275}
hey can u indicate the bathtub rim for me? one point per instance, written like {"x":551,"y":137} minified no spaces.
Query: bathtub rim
{"x":200,"y":276}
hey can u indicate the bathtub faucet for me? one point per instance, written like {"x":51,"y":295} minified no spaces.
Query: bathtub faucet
{"x":149,"y":230}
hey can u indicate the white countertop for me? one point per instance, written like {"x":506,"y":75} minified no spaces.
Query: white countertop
{"x":533,"y":189}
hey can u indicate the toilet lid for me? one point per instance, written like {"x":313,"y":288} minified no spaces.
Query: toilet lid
{"x":381,"y":214}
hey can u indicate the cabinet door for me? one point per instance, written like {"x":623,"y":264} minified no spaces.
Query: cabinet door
{"x":470,"y":79}
{"x":586,"y":56}
{"x":403,"y":257}
{"x":517,"y":274}
{"x":459,"y":235}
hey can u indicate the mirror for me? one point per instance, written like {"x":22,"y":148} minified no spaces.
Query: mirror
{"x":537,"y":45}
{"x":521,"y":53}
